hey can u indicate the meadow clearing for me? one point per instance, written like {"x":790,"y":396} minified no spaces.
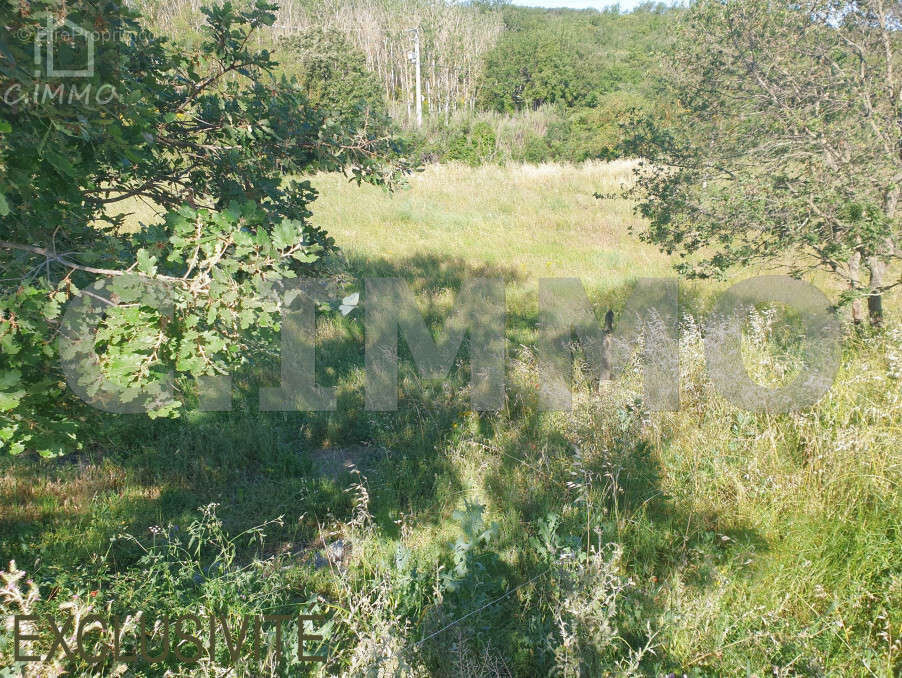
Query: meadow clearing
{"x":605,"y":540}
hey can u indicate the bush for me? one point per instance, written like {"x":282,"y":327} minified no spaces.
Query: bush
{"x":548,"y":134}
{"x":177,"y":575}
{"x":473,"y":145}
{"x":332,"y":73}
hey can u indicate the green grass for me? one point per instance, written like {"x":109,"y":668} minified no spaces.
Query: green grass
{"x":538,"y":221}
{"x":606,"y":540}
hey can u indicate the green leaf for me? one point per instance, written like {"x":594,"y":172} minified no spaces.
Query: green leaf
{"x":10,"y":400}
{"x":147,"y":263}
{"x":285,"y":234}
{"x":8,"y":345}
{"x":16,"y":448}
{"x":304,"y":257}
{"x":9,"y":378}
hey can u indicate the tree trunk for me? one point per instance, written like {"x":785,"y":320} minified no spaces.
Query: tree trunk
{"x":877,"y":268}
{"x":854,"y":281}
{"x":876,"y":265}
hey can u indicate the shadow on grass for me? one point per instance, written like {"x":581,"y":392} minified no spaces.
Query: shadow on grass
{"x":258,"y":465}
{"x":138,"y":472}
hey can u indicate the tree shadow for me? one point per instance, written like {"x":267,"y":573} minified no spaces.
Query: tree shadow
{"x":596,"y":471}
{"x":255,"y":464}
{"x":607,"y":479}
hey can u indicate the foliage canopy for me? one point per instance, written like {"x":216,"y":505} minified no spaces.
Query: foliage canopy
{"x":787,"y":144}
{"x":209,"y":137}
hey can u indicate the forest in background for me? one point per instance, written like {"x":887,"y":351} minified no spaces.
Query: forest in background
{"x":500,"y":83}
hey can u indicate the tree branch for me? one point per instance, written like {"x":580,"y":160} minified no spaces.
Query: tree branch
{"x":50,"y":255}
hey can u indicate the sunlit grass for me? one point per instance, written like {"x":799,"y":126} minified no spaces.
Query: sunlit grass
{"x":542,"y":221}
{"x":756,"y":544}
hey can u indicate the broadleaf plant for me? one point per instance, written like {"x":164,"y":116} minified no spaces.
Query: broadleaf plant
{"x":213,"y":140}
{"x":784,"y":146}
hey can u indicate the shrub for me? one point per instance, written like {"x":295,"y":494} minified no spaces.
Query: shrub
{"x":332,"y":73}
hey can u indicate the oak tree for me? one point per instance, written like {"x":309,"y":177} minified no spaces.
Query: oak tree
{"x":210,"y":141}
{"x":786,"y":145}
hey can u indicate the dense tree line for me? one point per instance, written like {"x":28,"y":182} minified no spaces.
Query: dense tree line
{"x":571,"y":57}
{"x":590,"y":73}
{"x":485,"y":66}
{"x":453,"y":41}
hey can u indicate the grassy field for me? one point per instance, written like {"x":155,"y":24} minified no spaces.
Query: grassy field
{"x":535,"y":220}
{"x":605,"y":540}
